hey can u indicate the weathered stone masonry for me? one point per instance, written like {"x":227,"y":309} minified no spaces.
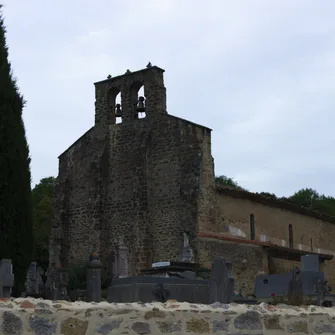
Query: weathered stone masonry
{"x":150,"y":179}
{"x":147,"y":179}
{"x":30,"y":316}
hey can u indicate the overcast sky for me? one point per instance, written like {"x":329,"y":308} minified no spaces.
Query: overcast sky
{"x":260,"y":73}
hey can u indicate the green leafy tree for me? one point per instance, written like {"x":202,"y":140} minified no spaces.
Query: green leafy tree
{"x":311,"y":199}
{"x":16,"y":236}
{"x":227,"y":181}
{"x":305,"y":197}
{"x":268,"y":195}
{"x":43,"y":195}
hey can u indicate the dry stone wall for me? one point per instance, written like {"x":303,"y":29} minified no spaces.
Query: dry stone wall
{"x":43,"y":317}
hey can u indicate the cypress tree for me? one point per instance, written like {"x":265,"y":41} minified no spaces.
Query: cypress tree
{"x":16,"y":237}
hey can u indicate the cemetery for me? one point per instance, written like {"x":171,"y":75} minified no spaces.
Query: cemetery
{"x":134,"y":192}
{"x":172,"y":297}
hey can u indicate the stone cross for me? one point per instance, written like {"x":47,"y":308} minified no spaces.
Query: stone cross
{"x":187,"y":254}
{"x":93,"y":288}
{"x":121,"y":260}
{"x":221,"y":283}
{"x":6,"y":278}
{"x":39,"y":283}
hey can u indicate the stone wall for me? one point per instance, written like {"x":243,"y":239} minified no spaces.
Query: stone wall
{"x":21,"y":317}
{"x":311,"y":232}
{"x":76,"y":219}
{"x":273,"y":222}
{"x":150,"y":179}
{"x":248,"y":261}
{"x":146,"y":179}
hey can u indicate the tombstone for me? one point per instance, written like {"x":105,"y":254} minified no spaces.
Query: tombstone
{"x":161,"y":293}
{"x":93,"y":289}
{"x":155,"y":286}
{"x":50,"y":285}
{"x":39,"y":282}
{"x":187,"y":254}
{"x":62,"y":282}
{"x":31,"y":286}
{"x":56,"y":284}
{"x":121,"y":260}
{"x":321,"y":289}
{"x":6,"y":278}
{"x":295,"y":289}
{"x":296,"y":286}
{"x":221,"y":282}
{"x":310,"y":263}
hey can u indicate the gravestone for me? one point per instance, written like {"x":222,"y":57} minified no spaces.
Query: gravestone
{"x":62,"y":282}
{"x":120,"y":268}
{"x":310,"y":263}
{"x":165,"y":280}
{"x":151,"y":288}
{"x":221,"y":282}
{"x":50,"y":285}
{"x":32,"y":276}
{"x":187,"y":254}
{"x":321,"y":289}
{"x":295,"y":290}
{"x":40,"y":282}
{"x":296,"y":287}
{"x":56,"y":284}
{"x":6,"y":278}
{"x":93,"y":290}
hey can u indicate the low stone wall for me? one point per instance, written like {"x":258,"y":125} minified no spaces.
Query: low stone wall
{"x":44,"y":317}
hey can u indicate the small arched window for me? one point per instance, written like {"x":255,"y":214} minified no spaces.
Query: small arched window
{"x":252,"y":227}
{"x":290,"y":235}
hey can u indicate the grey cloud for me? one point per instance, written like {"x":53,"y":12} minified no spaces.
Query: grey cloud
{"x":260,"y":73}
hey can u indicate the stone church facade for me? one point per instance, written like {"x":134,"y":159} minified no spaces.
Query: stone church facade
{"x":148,"y":176}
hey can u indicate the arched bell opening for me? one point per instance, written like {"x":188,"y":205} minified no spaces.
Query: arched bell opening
{"x":138,"y":100}
{"x":141,"y":103}
{"x":115,"y":105}
{"x":118,"y":110}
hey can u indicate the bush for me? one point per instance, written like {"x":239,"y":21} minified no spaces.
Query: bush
{"x":77,"y":276}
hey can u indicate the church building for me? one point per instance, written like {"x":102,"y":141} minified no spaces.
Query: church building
{"x":147,"y":177}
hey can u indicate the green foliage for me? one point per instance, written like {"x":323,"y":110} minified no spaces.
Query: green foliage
{"x":307,"y":197}
{"x":16,"y":236}
{"x":43,"y":195}
{"x":226,"y":181}
{"x":105,"y":280}
{"x":77,"y":276}
{"x":311,"y":199}
{"x":268,"y":195}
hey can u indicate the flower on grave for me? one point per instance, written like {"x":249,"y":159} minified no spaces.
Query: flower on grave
{"x":273,"y":295}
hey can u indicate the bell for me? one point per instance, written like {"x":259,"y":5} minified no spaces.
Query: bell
{"x":118,"y":111}
{"x":140,"y":108}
